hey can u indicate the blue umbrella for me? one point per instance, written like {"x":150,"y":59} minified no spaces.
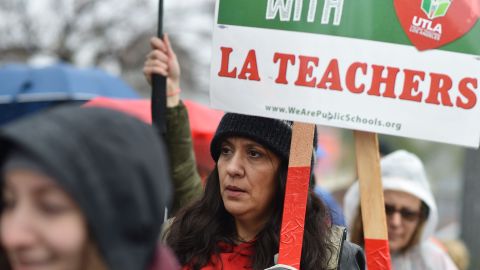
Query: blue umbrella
{"x":25,"y":89}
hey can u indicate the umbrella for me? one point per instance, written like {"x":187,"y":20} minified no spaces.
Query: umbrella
{"x":25,"y":89}
{"x":203,"y":123}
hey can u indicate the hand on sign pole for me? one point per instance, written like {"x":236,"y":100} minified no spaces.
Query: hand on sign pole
{"x":281,"y":267}
{"x":163,"y":61}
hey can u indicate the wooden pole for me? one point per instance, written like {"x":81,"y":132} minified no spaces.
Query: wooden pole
{"x":296,"y":194}
{"x":371,"y":201}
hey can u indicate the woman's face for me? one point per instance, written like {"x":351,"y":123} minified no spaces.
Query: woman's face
{"x":41,"y":227}
{"x":403,"y":215}
{"x":248,"y":178}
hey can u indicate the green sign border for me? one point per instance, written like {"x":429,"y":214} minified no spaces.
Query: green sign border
{"x":251,"y":13}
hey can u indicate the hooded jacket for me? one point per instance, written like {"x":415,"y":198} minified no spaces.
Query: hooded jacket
{"x":403,"y":171}
{"x":114,"y":167}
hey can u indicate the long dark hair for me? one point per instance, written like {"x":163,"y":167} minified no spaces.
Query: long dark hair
{"x":197,"y":229}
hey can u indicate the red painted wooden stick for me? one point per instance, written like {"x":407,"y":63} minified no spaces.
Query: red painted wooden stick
{"x":371,"y":200}
{"x":296,"y":193}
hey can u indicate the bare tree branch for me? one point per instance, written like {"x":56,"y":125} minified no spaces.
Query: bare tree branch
{"x":94,"y":32}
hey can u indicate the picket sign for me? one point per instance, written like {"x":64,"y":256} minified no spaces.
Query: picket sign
{"x":406,"y":68}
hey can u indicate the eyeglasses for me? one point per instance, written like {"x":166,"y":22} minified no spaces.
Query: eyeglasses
{"x":406,"y":213}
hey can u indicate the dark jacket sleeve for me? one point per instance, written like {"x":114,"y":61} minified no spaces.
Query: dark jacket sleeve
{"x":352,"y":257}
{"x":186,"y":180}
{"x":345,"y":255}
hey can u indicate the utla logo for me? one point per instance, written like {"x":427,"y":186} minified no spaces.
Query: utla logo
{"x":431,"y":24}
{"x":426,"y":27}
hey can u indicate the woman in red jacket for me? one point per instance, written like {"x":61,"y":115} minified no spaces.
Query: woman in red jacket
{"x":236,"y":223}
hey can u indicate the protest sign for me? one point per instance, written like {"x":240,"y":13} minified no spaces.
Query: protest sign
{"x":404,"y":68}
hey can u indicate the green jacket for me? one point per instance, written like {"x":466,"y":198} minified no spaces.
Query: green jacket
{"x":186,"y":180}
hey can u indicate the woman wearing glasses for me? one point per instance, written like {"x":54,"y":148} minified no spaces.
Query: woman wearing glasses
{"x":411,"y":214}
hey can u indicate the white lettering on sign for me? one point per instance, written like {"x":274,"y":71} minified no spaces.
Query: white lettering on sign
{"x":427,"y":24}
{"x":337,"y":7}
{"x":426,"y":28}
{"x":283,"y":9}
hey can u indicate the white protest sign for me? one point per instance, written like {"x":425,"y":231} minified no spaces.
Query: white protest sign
{"x":332,"y":64}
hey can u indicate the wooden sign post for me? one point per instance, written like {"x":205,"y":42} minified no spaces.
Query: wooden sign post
{"x":296,"y":194}
{"x":371,"y":201}
{"x":371,"y":194}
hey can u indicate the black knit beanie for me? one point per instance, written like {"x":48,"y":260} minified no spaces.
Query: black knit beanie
{"x":272,"y":133}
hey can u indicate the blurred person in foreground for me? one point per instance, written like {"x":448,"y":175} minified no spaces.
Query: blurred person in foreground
{"x":236,"y":222}
{"x":411,"y":214}
{"x":83,"y":188}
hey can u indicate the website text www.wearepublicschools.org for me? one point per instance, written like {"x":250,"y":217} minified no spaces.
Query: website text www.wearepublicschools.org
{"x":334,"y":116}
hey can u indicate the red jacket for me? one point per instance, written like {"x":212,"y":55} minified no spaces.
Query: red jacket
{"x":235,"y":257}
